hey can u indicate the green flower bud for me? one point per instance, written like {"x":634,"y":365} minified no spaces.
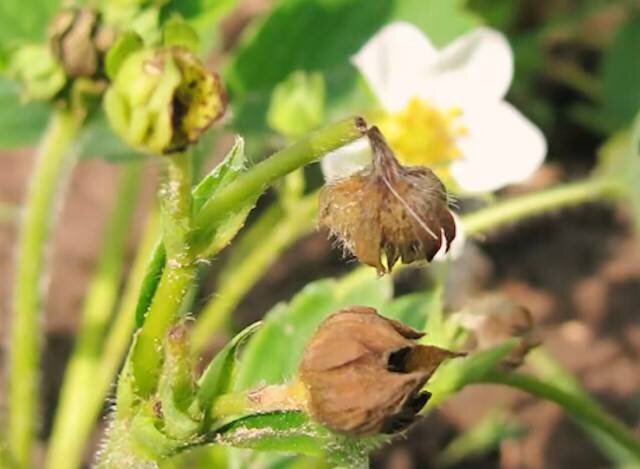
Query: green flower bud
{"x":162,"y":100}
{"x":38,"y":72}
{"x":297,"y":104}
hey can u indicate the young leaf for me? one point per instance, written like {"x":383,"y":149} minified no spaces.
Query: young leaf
{"x":218,"y":377}
{"x":273,"y":353}
{"x":223,"y":174}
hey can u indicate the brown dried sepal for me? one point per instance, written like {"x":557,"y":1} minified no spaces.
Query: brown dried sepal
{"x":390,"y":209}
{"x":363,"y":372}
{"x":79,"y":40}
{"x":494,"y":319}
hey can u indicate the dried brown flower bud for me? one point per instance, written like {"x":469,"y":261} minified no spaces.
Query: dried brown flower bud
{"x":493,"y":319}
{"x":388,"y":208}
{"x":364,"y":373}
{"x":79,"y":41}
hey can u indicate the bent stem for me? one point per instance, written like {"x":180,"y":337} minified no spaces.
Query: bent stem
{"x":68,"y":437}
{"x":51,"y":170}
{"x":259,"y":177}
{"x":582,"y":409}
{"x":518,"y":208}
{"x":241,"y":274}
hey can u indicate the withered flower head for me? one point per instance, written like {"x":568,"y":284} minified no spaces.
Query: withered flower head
{"x":79,"y":41}
{"x":494,"y":319}
{"x":364,"y":373}
{"x":388,"y":208}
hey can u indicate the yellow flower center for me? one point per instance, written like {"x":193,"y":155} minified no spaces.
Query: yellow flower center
{"x":424,"y":135}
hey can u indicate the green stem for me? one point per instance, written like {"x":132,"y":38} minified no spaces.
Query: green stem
{"x":177,"y":276}
{"x":517,"y":208}
{"x":582,"y":409}
{"x":52,"y":164}
{"x":242,"y":273}
{"x":259,"y":177}
{"x":68,"y":438}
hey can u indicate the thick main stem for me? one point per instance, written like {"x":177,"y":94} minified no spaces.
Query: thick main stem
{"x":78,"y":389}
{"x":177,"y":276}
{"x":517,"y":208}
{"x":582,"y":409}
{"x":52,"y":163}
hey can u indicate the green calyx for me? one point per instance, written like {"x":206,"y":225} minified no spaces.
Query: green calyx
{"x":162,"y":100}
{"x":38,"y":72}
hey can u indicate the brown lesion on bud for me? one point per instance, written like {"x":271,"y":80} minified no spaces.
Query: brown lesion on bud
{"x":79,"y":40}
{"x":364,"y":373}
{"x":493,"y":319}
{"x":198,"y":102}
{"x":386,"y":208}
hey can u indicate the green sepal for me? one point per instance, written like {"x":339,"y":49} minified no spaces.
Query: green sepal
{"x":177,"y":32}
{"x":126,"y":43}
{"x":218,"y":377}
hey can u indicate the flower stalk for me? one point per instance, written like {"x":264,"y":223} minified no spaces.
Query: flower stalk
{"x":54,"y":159}
{"x":518,"y":208}
{"x":78,"y":388}
{"x":582,"y":409}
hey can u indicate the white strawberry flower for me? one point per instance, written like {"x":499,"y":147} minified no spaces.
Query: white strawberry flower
{"x":445,"y":109}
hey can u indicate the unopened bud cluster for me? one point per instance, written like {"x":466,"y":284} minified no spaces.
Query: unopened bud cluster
{"x":163,"y":99}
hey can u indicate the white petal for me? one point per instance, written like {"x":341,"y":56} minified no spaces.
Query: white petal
{"x":346,"y":160}
{"x":394,"y":63}
{"x":475,"y":67}
{"x":503,"y":147}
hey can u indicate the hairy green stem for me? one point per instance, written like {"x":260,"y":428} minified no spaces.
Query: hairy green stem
{"x":582,"y":409}
{"x":53,"y":161}
{"x":68,"y":438}
{"x":240,"y":274}
{"x":259,"y":177}
{"x":177,"y":276}
{"x":517,"y":208}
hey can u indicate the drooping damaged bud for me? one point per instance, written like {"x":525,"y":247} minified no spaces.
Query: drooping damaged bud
{"x":79,"y":41}
{"x":494,"y":319}
{"x":162,"y":100}
{"x":386,"y":208}
{"x":364,"y":373}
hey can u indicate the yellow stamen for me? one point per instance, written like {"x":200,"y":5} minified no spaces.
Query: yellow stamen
{"x":424,"y":135}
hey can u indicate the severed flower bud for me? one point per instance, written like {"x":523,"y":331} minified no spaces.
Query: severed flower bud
{"x":79,"y":41}
{"x":364,"y":373}
{"x":162,"y":100}
{"x":388,"y":208}
{"x":493,"y":319}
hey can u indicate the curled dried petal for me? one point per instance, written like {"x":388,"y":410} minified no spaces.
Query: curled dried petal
{"x":364,"y":373}
{"x":386,"y":208}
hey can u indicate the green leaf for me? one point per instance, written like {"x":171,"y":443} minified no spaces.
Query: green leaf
{"x":441,"y":20}
{"x":294,"y":432}
{"x":20,"y":124}
{"x":319,"y":34}
{"x":202,"y":15}
{"x":218,"y":377}
{"x":279,"y":431}
{"x":620,"y":72}
{"x":25,"y":21}
{"x":273,"y":353}
{"x":415,"y":309}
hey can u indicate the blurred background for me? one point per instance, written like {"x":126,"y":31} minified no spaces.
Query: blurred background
{"x":577,"y":270}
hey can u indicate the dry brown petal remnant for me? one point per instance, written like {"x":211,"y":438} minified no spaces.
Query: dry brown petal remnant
{"x":364,"y":373}
{"x":386,"y":208}
{"x":494,"y":319}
